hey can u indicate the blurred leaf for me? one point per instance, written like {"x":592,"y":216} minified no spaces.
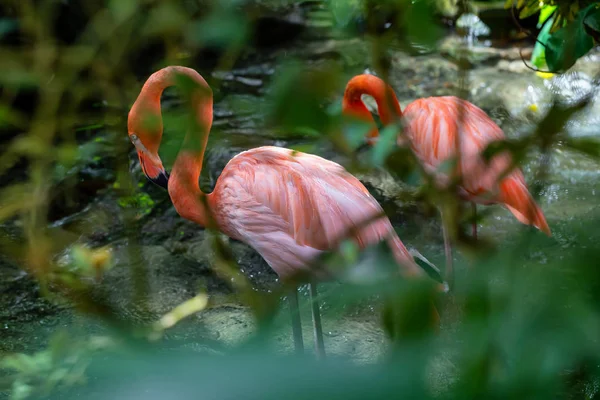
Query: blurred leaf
{"x":7,"y":25}
{"x":421,"y":27}
{"x":10,"y":116}
{"x":305,"y":148}
{"x":385,"y":145}
{"x":545,"y":13}
{"x":538,"y":56}
{"x":19,"y":77}
{"x":78,"y":56}
{"x":122,"y":10}
{"x":591,"y":21}
{"x":183,"y":310}
{"x":409,"y":314}
{"x":588,"y":146}
{"x":355,"y":131}
{"x":219,"y":30}
{"x":184,"y":374}
{"x":19,"y":362}
{"x":297,"y":95}
{"x":528,"y":11}
{"x":565,"y":46}
{"x":344,"y":11}
{"x":89,"y":127}
{"x":401,"y":164}
{"x":164,"y":18}
{"x":15,"y":199}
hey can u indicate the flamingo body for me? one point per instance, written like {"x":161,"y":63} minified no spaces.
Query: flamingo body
{"x":432,"y":126}
{"x":292,"y":206}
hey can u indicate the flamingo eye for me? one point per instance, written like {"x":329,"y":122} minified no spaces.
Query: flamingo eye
{"x":133,"y":138}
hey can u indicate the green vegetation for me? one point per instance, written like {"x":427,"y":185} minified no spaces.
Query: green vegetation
{"x":569,"y":30}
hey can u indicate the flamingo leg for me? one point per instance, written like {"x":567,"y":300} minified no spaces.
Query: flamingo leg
{"x":474,"y":208}
{"x":317,"y":327}
{"x":449,"y":273}
{"x":296,"y":323}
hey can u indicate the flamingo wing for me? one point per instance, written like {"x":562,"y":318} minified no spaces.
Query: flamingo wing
{"x":435,"y":123}
{"x":292,"y":206}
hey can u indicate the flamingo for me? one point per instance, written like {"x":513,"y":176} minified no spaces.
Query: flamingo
{"x":289,"y":206}
{"x":432,"y":127}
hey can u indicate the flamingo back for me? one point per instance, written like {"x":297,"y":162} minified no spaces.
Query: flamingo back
{"x":437,"y":125}
{"x":291,"y":207}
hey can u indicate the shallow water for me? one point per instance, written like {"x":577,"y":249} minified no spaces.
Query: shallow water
{"x":176,"y":255}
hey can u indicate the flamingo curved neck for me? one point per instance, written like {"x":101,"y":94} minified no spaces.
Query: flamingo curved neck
{"x":183,"y":186}
{"x":387,"y":102}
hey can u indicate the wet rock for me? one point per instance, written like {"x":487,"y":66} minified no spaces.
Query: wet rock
{"x":77,"y":185}
{"x":77,"y":190}
{"x":589,"y":63}
{"x":170,"y":280}
{"x":279,"y":29}
{"x":251,"y":264}
{"x":25,"y":314}
{"x":571,"y":87}
{"x":228,"y":324}
{"x":476,"y":55}
{"x":417,"y":77}
{"x":490,"y":88}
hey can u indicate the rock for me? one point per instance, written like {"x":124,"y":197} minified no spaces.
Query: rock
{"x":251,"y":264}
{"x":26,"y":317}
{"x":417,"y":77}
{"x":171,"y":279}
{"x":490,"y":89}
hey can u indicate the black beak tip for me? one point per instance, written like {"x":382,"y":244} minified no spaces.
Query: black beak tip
{"x":161,"y":180}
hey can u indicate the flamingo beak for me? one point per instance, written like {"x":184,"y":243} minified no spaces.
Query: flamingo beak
{"x":150,"y":163}
{"x":161,"y":180}
{"x":155,"y":174}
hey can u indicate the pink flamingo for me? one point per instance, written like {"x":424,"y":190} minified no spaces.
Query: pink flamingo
{"x":433,"y":126}
{"x":289,"y":206}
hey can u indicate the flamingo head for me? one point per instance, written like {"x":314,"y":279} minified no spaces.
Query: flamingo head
{"x":145,"y":128}
{"x":383,"y":94}
{"x":150,"y":162}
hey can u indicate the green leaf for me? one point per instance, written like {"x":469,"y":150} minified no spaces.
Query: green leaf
{"x":587,"y":146}
{"x":591,"y":21}
{"x":528,"y":11}
{"x":568,"y":44}
{"x":219,"y":30}
{"x":122,"y":10}
{"x":356,"y":131}
{"x":345,"y":10}
{"x":385,"y":145}
{"x":545,"y":13}
{"x":297,"y":94}
{"x":538,"y":56}
{"x":7,"y":25}
{"x":421,"y":28}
